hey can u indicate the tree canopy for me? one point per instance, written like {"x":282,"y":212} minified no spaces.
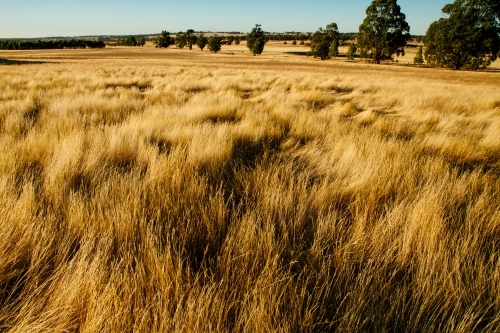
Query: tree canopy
{"x":164,"y":40}
{"x":256,"y":40}
{"x":181,"y":39}
{"x":384,"y":32}
{"x":495,"y":7}
{"x":190,"y":38}
{"x":324,"y":42}
{"x":467,"y":37}
{"x":130,"y":41}
{"x":215,"y":43}
{"x":351,"y":51}
{"x":202,"y":41}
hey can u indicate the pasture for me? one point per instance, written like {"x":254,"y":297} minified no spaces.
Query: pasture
{"x":148,"y":190}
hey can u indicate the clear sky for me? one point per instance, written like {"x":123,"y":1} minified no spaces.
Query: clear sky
{"x":47,"y":18}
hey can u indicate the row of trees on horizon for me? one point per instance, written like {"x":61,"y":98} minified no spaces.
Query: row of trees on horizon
{"x":51,"y":44}
{"x":467,"y":36}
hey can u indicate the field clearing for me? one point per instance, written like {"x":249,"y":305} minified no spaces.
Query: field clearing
{"x":153,"y":190}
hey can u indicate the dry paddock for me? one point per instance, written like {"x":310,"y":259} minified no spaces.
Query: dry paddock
{"x":152,"y":190}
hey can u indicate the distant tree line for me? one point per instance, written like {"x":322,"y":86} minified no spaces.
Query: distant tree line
{"x":190,"y":38}
{"x":343,"y":37}
{"x":289,"y":37}
{"x":50,"y":44}
{"x":131,"y":41}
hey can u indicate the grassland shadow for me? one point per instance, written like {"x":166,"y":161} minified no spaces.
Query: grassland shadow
{"x":19,"y":62}
{"x":299,"y":53}
{"x":490,"y":70}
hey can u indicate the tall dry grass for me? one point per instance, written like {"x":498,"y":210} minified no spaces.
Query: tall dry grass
{"x":192,"y":198}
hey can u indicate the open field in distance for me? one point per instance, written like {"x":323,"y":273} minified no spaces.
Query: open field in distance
{"x":152,"y":190}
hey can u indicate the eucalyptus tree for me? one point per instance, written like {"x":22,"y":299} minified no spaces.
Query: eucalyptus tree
{"x":324,"y":42}
{"x":351,"y":51}
{"x":201,"y":41}
{"x":215,"y":43}
{"x":256,"y":40}
{"x":384,"y":32}
{"x":164,"y":40}
{"x":467,"y":37}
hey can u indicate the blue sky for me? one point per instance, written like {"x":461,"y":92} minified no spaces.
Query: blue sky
{"x":44,"y":18}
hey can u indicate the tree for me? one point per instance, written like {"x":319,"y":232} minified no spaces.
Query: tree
{"x":384,"y":32}
{"x":141,"y":41}
{"x":467,"y":37}
{"x":258,"y":46}
{"x":215,"y":43}
{"x":201,"y":41}
{"x":323,"y":40}
{"x":334,"y":49}
{"x":164,"y":40}
{"x":190,"y":38}
{"x":256,"y":40}
{"x":181,"y":40}
{"x":351,"y":51}
{"x":130,"y":41}
{"x":419,"y":58}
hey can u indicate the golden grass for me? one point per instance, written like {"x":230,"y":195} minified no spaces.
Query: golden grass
{"x":180,"y":191}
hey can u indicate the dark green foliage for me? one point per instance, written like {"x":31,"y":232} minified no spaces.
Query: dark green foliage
{"x":334,"y":49}
{"x":256,"y":40}
{"x":467,"y":37}
{"x":164,"y":40}
{"x":130,"y":41}
{"x":191,"y":38}
{"x":201,"y":41}
{"x":188,"y":38}
{"x":50,"y":44}
{"x":287,"y":36}
{"x":323,"y":40}
{"x":419,"y":58}
{"x":351,"y":51}
{"x":11,"y":45}
{"x":215,"y":43}
{"x":258,"y":46}
{"x":384,"y":32}
{"x":181,"y":40}
{"x":495,"y":7}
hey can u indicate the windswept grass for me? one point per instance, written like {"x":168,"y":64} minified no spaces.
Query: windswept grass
{"x":175,"y":197}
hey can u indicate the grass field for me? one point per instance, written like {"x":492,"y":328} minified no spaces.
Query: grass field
{"x":147,"y":190}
